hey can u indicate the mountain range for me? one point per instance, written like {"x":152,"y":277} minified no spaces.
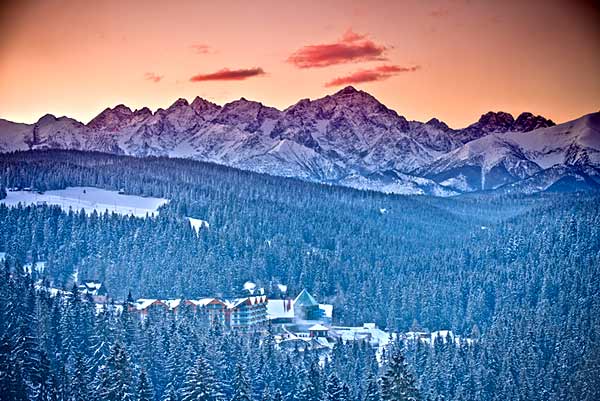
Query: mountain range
{"x":348,"y":138}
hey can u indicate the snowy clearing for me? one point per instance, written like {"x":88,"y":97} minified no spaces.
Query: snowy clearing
{"x":197,"y":224}
{"x":89,"y":199}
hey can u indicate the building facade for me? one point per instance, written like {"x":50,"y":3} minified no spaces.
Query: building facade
{"x":248,"y":314}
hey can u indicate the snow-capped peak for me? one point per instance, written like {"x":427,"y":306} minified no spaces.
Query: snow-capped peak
{"x":347,"y":138}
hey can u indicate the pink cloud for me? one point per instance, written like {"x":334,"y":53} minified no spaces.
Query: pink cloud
{"x":201,"y":48}
{"x":442,"y":12}
{"x":350,"y":48}
{"x":150,"y":76}
{"x":229,"y":75}
{"x":371,"y":75}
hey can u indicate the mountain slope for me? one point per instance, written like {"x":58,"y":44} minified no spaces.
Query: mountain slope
{"x":503,"y":158}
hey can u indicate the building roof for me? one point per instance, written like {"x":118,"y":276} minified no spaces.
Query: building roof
{"x":327,"y":310}
{"x":172,"y":303}
{"x":318,"y":327}
{"x":142,"y":303}
{"x":92,"y":287}
{"x":368,"y":332}
{"x":259,"y":299}
{"x":305,"y":299}
{"x":204,"y":301}
{"x":276,"y":309}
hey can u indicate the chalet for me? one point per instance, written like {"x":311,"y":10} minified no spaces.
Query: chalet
{"x":145,"y":306}
{"x":96,"y":289}
{"x":210,"y":310}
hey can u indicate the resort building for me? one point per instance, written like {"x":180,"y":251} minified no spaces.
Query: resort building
{"x":248,"y":314}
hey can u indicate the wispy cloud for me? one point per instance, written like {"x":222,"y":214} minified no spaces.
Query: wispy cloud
{"x":350,"y":48}
{"x":226,"y":74}
{"x":202,"y":48}
{"x":150,"y":76}
{"x":371,"y":75}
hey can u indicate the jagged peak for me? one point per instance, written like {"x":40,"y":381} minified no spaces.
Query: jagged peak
{"x":181,"y":102}
{"x":200,"y":100}
{"x":143,"y":111}
{"x":353,"y":95}
{"x":242,"y":102}
{"x":122,"y":109}
{"x":299,"y":106}
{"x":434,"y":122}
{"x":527,"y":121}
{"x":111,"y":118}
{"x":199,"y":105}
{"x":348,"y":90}
{"x":496,"y":116}
{"x":47,"y":118}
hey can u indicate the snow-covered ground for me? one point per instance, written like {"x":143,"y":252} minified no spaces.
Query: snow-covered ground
{"x":89,"y":199}
{"x":197,"y":224}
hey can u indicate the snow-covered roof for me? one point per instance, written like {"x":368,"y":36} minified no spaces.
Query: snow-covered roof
{"x":318,"y":327}
{"x":368,"y":331}
{"x":142,"y":303}
{"x":172,"y":303}
{"x":327,"y":310}
{"x":280,"y":308}
{"x":323,"y":342}
{"x":92,"y":285}
{"x":259,"y":299}
{"x":203,"y":301}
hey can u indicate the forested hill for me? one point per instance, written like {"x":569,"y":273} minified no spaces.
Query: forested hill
{"x":523,"y":272}
{"x":443,"y":262}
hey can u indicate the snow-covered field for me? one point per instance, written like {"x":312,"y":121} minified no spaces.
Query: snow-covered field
{"x":89,"y":199}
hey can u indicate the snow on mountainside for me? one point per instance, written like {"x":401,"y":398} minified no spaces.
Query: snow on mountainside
{"x":503,"y":158}
{"x":554,"y":179}
{"x":348,"y":138}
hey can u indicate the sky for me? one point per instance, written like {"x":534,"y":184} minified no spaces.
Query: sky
{"x":453,"y":60}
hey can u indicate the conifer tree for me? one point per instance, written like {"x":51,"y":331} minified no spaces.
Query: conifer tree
{"x":372,"y":390}
{"x":170,"y":393}
{"x":242,"y":390}
{"x":80,"y":382}
{"x":116,"y":376}
{"x":12,"y":386}
{"x":277,"y":395}
{"x":200,"y":384}
{"x":311,"y":385}
{"x":144,"y":388}
{"x":333,"y":388}
{"x":44,"y":389}
{"x":398,"y":384}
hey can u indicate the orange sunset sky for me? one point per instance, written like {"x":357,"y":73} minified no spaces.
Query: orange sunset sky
{"x":448,"y":59}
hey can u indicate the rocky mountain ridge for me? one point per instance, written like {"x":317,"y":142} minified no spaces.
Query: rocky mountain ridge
{"x":348,"y":138}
